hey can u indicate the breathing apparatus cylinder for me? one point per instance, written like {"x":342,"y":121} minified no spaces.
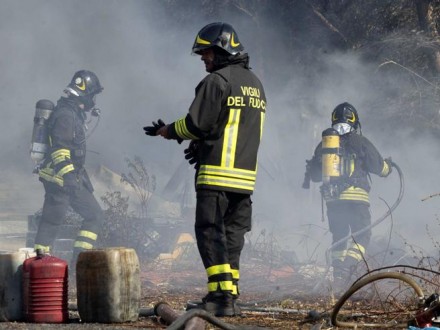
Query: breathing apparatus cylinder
{"x":40,"y":133}
{"x":331,"y":156}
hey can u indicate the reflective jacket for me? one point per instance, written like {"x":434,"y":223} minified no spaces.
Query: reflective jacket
{"x":362,"y":159}
{"x":67,"y":136}
{"x":226,"y":117}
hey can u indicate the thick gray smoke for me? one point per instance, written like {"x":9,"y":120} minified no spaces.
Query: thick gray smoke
{"x":142,"y":57}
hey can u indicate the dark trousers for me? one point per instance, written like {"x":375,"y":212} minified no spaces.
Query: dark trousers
{"x":222,"y":220}
{"x":56,"y":203}
{"x":345,"y":218}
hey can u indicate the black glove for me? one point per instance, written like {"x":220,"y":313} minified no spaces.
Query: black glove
{"x":152,"y":130}
{"x":191,"y":153}
{"x":71,"y":183}
{"x":308,"y":165}
{"x":306,"y":182}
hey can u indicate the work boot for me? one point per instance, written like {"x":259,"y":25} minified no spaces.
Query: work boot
{"x":220,"y":304}
{"x":341,"y":280}
{"x":217,"y":303}
{"x":191,"y":304}
{"x":237,"y":309}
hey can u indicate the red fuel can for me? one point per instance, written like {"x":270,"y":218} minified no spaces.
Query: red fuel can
{"x":45,"y":289}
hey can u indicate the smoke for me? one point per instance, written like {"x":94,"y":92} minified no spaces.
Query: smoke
{"x":141,"y":53}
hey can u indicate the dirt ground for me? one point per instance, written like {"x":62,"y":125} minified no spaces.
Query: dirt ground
{"x":277,"y":298}
{"x":273,"y":295}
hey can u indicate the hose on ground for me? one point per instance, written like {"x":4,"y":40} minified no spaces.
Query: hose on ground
{"x":361,"y":283}
{"x":179,"y":323}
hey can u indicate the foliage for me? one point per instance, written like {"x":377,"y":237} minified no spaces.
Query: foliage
{"x":302,"y":34}
{"x":122,"y":228}
{"x":141,"y":181}
{"x":116,"y":217}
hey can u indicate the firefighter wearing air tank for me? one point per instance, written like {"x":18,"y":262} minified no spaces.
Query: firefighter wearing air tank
{"x":62,"y":170}
{"x":225,"y":125}
{"x":343,"y":162}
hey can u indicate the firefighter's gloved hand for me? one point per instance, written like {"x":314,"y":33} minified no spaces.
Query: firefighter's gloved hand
{"x":191,"y":153}
{"x":71,"y":183}
{"x":306,"y":182}
{"x":308,"y":165}
{"x":152,"y":130}
{"x":389,"y":162}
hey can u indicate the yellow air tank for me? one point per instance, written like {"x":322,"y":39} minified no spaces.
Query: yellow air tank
{"x":331,"y":157}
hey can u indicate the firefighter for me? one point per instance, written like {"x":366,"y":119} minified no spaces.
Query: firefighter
{"x":346,"y":192}
{"x":62,"y":173}
{"x":225,"y":124}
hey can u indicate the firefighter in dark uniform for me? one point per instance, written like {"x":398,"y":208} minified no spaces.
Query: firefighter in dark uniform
{"x":225,"y":125}
{"x":63,"y":175}
{"x":347,"y":199}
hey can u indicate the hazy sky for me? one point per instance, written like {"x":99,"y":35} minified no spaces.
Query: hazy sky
{"x":143,"y":60}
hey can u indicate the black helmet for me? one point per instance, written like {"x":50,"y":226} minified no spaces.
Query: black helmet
{"x":219,"y":35}
{"x":84,"y":83}
{"x":345,"y":113}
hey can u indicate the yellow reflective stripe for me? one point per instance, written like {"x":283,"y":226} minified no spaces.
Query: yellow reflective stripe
{"x":263,"y":117}
{"x":60,"y":159}
{"x":47,"y":171}
{"x":226,"y":177}
{"x":357,"y":246}
{"x":218,"y":269}
{"x":212,"y":287}
{"x":356,"y":251}
{"x":230,"y":138}
{"x":228,"y":172}
{"x":354,"y":255}
{"x":44,"y":248}
{"x":351,"y":166}
{"x":355,"y":194}
{"x":226,"y":285}
{"x":223,"y":285}
{"x":338,"y":255}
{"x":234,"y":289}
{"x":83,"y":245}
{"x":61,"y":152}
{"x":60,"y":155}
{"x":202,"y":41}
{"x":233,"y":43}
{"x":66,"y":169}
{"x":48,"y":174}
{"x":385,"y":170}
{"x":182,"y":131}
{"x":224,"y":182}
{"x":88,"y":234}
{"x":235,"y":274}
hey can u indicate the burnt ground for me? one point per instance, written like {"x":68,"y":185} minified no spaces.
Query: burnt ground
{"x":275,"y":294}
{"x":272,"y":297}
